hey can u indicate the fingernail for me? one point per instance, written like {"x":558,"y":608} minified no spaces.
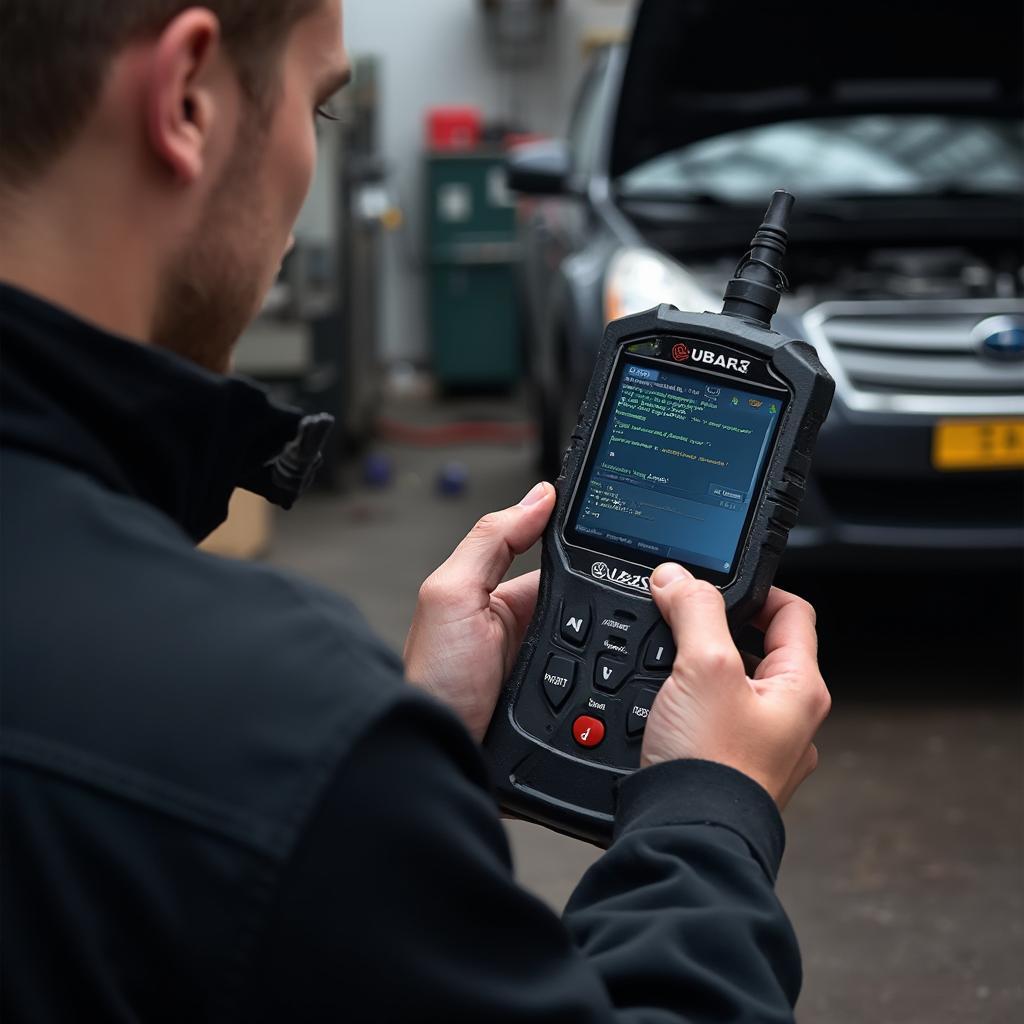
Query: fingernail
{"x":535,"y":494}
{"x":668,"y":572}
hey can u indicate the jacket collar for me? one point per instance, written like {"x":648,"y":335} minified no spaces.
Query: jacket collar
{"x":144,"y":421}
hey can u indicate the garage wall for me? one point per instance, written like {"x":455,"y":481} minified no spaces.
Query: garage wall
{"x":435,"y":52}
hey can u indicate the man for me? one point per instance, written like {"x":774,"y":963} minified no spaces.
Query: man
{"x":221,"y":800}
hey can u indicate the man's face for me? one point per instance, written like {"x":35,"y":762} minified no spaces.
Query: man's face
{"x":217,"y":282}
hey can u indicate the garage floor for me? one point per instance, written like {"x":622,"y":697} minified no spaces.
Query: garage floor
{"x":904,"y":872}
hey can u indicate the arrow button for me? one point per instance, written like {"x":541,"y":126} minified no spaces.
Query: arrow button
{"x":575,"y":624}
{"x":609,"y":674}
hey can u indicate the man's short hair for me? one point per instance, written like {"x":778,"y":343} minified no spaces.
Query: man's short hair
{"x":54,"y":55}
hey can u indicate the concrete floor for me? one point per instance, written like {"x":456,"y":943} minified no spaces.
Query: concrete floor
{"x":904,"y":873}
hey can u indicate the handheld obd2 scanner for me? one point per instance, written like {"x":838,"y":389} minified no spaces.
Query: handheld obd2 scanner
{"x":692,"y":445}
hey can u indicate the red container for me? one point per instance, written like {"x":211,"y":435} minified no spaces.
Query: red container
{"x":454,"y":127}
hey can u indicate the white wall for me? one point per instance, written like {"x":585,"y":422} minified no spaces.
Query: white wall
{"x":435,"y":52}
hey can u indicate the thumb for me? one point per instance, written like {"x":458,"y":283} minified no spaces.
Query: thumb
{"x":480,"y":562}
{"x":695,"y":611}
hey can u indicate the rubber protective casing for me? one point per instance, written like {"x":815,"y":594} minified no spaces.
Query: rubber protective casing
{"x":573,"y":791}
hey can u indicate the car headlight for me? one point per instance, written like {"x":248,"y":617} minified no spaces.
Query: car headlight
{"x":638,"y":279}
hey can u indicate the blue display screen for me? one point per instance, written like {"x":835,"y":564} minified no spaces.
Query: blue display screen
{"x":675,"y":467}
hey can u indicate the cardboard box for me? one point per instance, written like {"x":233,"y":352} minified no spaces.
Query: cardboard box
{"x":247,"y":531}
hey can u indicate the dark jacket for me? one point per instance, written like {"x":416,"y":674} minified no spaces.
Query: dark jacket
{"x":222,"y":803}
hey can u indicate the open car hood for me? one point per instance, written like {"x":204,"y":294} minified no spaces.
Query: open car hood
{"x":699,"y":68}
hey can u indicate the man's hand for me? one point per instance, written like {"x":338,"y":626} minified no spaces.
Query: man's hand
{"x":710,"y":709}
{"x":467,"y":629}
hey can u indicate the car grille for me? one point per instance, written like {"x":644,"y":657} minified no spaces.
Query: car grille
{"x":916,"y":356}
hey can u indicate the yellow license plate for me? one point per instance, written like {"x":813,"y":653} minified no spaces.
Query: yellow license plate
{"x":978,"y":444}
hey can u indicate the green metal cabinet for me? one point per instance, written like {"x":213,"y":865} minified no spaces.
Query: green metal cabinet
{"x":473,"y":255}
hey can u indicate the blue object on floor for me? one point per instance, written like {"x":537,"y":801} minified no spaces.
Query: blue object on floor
{"x":452,"y":479}
{"x":378,"y":470}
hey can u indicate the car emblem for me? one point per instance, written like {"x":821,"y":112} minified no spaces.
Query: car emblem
{"x":1000,"y":337}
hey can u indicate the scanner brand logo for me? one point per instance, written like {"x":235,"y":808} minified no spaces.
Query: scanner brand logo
{"x":702,"y":355}
{"x":602,"y":571}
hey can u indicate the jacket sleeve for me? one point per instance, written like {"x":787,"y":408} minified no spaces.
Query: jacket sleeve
{"x":399,"y":904}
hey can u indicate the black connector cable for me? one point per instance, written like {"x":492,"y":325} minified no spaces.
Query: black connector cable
{"x":759,"y":281}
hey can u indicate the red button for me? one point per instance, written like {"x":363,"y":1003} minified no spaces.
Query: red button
{"x":587,"y":731}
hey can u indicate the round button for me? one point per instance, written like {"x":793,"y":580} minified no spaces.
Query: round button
{"x":588,"y":731}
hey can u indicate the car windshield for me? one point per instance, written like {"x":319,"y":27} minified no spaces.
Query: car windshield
{"x":875,"y":155}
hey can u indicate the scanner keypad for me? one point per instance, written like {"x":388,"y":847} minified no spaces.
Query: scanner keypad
{"x":599,"y":662}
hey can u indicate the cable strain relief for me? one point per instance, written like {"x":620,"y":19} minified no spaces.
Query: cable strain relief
{"x":751,"y":300}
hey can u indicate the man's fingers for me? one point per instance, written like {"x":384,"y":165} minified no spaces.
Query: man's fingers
{"x":791,"y":651}
{"x":480,"y":562}
{"x":515,"y":601}
{"x":788,"y":621}
{"x":696,"y":612}
{"x":751,"y":662}
{"x":519,"y":595}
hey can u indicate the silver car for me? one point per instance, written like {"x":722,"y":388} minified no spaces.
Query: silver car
{"x":904,"y":145}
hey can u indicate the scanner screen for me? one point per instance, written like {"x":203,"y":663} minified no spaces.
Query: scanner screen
{"x":675,"y":467}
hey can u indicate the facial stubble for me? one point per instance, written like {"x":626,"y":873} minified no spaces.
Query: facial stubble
{"x":215,"y":285}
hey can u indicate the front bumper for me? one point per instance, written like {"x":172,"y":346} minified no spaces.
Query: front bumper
{"x":875,"y":499}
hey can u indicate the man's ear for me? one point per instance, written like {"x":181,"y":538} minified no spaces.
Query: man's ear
{"x":181,"y":104}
